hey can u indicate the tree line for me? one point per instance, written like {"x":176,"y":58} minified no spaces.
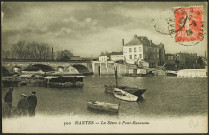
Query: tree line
{"x":23,"y":50}
{"x":190,"y":63}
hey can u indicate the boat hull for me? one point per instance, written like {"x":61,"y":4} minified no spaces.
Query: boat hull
{"x":134,"y":91}
{"x":118,"y":93}
{"x":102,"y":106}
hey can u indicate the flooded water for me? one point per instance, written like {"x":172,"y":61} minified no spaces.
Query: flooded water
{"x":165,"y":96}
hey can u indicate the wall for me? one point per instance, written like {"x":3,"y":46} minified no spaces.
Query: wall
{"x":108,"y":68}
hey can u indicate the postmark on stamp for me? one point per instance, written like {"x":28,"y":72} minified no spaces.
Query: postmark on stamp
{"x":188,"y":24}
{"x":184,"y":24}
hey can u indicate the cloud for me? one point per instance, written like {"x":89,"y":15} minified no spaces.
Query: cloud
{"x":86,"y":27}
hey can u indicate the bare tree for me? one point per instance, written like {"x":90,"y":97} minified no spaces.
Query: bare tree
{"x":31,"y":50}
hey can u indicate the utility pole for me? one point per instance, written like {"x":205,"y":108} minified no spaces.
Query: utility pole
{"x":116,"y":77}
{"x":52,"y":54}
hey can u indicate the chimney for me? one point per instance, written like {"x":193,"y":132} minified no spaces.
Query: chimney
{"x":122,"y":42}
{"x":150,"y":42}
{"x":52,"y":54}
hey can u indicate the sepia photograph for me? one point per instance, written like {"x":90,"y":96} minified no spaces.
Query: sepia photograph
{"x":104,"y":67}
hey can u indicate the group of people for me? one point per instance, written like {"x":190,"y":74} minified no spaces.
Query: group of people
{"x":26,"y":104}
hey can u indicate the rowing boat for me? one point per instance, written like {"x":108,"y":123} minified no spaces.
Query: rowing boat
{"x":118,"y":93}
{"x":103,"y":106}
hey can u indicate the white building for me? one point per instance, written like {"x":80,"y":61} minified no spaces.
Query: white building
{"x":103,"y":58}
{"x":140,"y":48}
{"x":116,"y":57}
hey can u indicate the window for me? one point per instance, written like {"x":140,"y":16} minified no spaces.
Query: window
{"x":130,"y":49}
{"x":140,"y":56}
{"x":134,"y":49}
{"x":130,"y":56}
{"x":135,"y":56}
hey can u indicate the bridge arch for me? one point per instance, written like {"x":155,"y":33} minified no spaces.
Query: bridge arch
{"x":81,"y":69}
{"x":36,"y":67}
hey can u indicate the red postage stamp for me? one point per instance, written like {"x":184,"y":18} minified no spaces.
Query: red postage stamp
{"x":188,"y":24}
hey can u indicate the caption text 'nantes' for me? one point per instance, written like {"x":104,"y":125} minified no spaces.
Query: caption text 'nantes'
{"x":105,"y":123}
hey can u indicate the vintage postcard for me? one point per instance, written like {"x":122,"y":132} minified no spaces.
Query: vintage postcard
{"x":104,"y":67}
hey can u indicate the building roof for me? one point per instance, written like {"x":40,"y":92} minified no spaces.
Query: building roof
{"x":64,"y":58}
{"x":116,"y":53}
{"x":135,"y":41}
{"x":141,"y":40}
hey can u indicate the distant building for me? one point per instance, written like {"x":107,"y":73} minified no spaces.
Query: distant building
{"x":140,"y":48}
{"x":170,"y":58}
{"x":76,"y":58}
{"x":184,"y":57}
{"x":181,"y":61}
{"x":116,"y":56}
{"x":171,"y":63}
{"x":103,"y":58}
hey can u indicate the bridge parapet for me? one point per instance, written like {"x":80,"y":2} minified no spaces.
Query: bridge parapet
{"x":54,"y":64}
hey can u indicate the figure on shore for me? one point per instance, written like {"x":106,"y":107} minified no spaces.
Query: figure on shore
{"x":32,"y":100}
{"x":8,"y":98}
{"x":23,"y":105}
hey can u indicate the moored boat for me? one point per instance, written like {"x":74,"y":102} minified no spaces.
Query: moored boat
{"x":131,"y":90}
{"x":118,"y":93}
{"x":64,"y":81}
{"x":135,"y":91}
{"x":103,"y":106}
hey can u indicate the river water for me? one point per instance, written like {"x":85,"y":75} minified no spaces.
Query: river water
{"x":165,"y":96}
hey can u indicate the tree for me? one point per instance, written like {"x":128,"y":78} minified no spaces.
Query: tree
{"x":64,"y":53}
{"x":200,"y":63}
{"x":6,"y":54}
{"x":18,"y":50}
{"x":31,"y":50}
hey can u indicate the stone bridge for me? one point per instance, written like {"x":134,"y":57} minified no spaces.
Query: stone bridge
{"x":9,"y":65}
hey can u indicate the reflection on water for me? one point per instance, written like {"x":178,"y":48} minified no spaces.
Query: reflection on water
{"x":165,"y":96}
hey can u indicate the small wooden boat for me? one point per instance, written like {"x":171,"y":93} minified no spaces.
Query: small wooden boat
{"x":131,"y":90}
{"x":124,"y":95}
{"x":103,"y":106}
{"x":171,"y":73}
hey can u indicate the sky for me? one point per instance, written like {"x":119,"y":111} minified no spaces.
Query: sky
{"x":87,"y":28}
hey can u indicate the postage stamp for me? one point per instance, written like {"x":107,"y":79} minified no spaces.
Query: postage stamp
{"x":188,"y":24}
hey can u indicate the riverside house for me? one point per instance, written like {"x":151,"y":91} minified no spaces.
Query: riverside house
{"x":140,"y":48}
